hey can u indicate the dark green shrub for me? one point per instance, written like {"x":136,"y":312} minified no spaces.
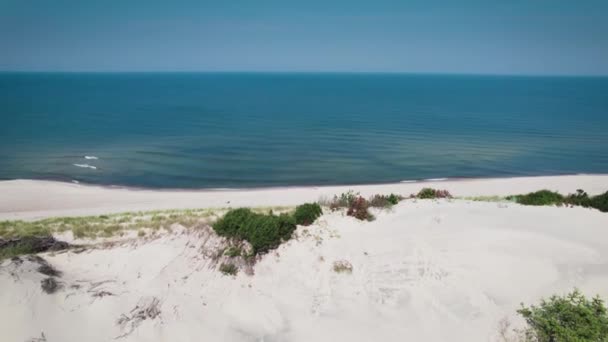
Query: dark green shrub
{"x":580,"y":198}
{"x":229,"y":269}
{"x":429,"y":193}
{"x":307,"y":213}
{"x":600,"y":202}
{"x":542,"y":197}
{"x":231,"y":224}
{"x":569,"y":318}
{"x":262,"y":231}
{"x":359,"y":209}
{"x":382,"y":201}
{"x":394,"y":199}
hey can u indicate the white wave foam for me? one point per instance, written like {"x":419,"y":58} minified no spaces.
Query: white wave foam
{"x":436,"y":179}
{"x":86,"y":166}
{"x":408,"y":181}
{"x":90,"y":157}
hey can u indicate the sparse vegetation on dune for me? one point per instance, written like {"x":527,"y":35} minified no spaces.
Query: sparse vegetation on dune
{"x":115,"y":224}
{"x":29,"y":245}
{"x":357,"y":206}
{"x":430,"y":193}
{"x":546,"y":197}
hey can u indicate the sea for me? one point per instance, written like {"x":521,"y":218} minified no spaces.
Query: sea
{"x":244,"y":130}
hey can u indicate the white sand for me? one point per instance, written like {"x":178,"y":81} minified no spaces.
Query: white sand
{"x":423,"y":271}
{"x":29,"y":199}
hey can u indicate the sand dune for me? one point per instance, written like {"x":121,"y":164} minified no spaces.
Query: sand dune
{"x":425,"y":270}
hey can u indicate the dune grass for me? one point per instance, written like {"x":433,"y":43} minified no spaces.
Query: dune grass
{"x":115,"y":224}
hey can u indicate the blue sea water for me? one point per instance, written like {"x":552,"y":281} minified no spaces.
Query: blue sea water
{"x":210,"y":130}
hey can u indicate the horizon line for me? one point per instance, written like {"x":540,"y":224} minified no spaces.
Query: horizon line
{"x":290,"y":72}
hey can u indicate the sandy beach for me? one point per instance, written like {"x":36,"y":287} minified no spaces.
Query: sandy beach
{"x":423,"y":270}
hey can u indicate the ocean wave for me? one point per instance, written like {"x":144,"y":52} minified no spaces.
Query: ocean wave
{"x":87,"y":166}
{"x":90,"y":157}
{"x":408,"y":181}
{"x":435,"y":179}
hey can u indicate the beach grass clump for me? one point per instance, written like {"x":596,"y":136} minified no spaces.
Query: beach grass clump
{"x":342,"y":266}
{"x":307,"y":213}
{"x":384,"y":201}
{"x":430,"y":193}
{"x":263,"y":231}
{"x":541,"y":197}
{"x":233,"y":252}
{"x":229,"y":269}
{"x":572,"y":317}
{"x":345,"y":200}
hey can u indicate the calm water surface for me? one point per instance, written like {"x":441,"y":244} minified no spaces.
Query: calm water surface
{"x":246,"y":130}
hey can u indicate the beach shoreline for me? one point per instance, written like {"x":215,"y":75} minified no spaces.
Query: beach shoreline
{"x":37,"y":199}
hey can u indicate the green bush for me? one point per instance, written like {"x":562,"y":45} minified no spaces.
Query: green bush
{"x":600,"y":202}
{"x":262,"y":231}
{"x":542,"y":197}
{"x":430,"y":193}
{"x":307,"y":213}
{"x":580,"y":198}
{"x":383,"y":201}
{"x":231,"y":224}
{"x":229,"y":269}
{"x":569,"y":318}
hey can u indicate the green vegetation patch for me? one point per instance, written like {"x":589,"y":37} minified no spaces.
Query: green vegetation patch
{"x":572,"y":317}
{"x":229,"y":269}
{"x":306,"y":214}
{"x":430,"y":193}
{"x":546,"y":197}
{"x":384,"y":201}
{"x":541,"y":197}
{"x":104,"y":225}
{"x":263,"y":231}
{"x":29,"y":245}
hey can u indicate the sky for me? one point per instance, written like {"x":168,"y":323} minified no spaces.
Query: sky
{"x":531,"y":37}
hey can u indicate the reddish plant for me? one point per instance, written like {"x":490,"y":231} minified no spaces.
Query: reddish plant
{"x":359,"y":209}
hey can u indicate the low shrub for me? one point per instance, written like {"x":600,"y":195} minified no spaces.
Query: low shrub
{"x":263,"y":231}
{"x":383,"y":201}
{"x":229,"y":269}
{"x":307,"y":213}
{"x":430,"y":193}
{"x":359,"y":209}
{"x":580,"y":198}
{"x":569,"y":318}
{"x":345,"y":200}
{"x":542,"y":197}
{"x":600,"y":202}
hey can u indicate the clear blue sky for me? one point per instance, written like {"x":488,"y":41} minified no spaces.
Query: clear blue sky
{"x":487,"y":37}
